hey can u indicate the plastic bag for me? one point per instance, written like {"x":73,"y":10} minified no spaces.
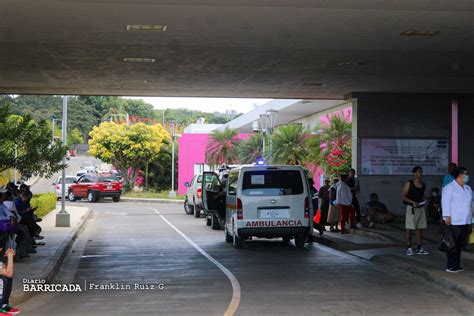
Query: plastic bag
{"x":448,"y":241}
{"x":317,"y":217}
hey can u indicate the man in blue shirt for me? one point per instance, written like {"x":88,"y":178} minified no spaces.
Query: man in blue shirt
{"x":449,"y":177}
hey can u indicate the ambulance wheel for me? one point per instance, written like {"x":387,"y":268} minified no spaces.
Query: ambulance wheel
{"x":286,"y":239}
{"x":300,"y":241}
{"x":228,"y":238}
{"x":208,"y":220}
{"x":237,"y":242}
{"x":215,"y":222}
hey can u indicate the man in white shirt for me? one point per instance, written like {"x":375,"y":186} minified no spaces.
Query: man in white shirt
{"x":344,"y":202}
{"x":456,"y":202}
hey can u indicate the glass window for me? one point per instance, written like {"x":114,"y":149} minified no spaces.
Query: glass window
{"x":233,"y":178}
{"x":272,"y":182}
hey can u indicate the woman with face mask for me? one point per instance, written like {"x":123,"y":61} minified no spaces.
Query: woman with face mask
{"x":456,"y":207}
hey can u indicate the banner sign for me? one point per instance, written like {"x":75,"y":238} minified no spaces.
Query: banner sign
{"x":399,"y":156}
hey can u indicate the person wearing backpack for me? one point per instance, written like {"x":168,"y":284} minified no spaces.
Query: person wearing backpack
{"x":456,"y":208}
{"x":414,"y":196}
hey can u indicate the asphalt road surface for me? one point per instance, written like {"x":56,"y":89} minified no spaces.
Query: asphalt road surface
{"x":132,"y":244}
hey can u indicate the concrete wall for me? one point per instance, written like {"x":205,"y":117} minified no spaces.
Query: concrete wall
{"x":398,"y":116}
{"x":466,"y":133}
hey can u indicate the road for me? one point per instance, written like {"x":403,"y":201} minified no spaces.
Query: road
{"x":43,"y":185}
{"x":130,"y":243}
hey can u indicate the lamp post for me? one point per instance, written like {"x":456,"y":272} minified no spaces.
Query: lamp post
{"x":63,"y":218}
{"x":271,"y":122}
{"x":263,"y":124}
{"x":172,"y":193}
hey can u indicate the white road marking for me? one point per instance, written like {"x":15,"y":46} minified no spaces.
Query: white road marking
{"x":235,"y":302}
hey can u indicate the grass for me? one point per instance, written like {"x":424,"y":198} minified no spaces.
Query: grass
{"x":152,"y":195}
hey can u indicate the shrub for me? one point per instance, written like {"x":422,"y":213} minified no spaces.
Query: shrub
{"x":44,"y":203}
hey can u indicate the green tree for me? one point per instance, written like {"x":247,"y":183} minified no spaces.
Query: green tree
{"x":250,"y":149}
{"x":289,"y":145}
{"x":336,"y":134}
{"x":128,"y":148}
{"x":222,"y":147}
{"x":26,"y":145}
{"x":74,"y":137}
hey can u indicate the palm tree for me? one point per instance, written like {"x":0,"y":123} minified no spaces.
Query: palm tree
{"x":289,"y":145}
{"x":250,"y":149}
{"x":336,"y":133}
{"x":222,"y":147}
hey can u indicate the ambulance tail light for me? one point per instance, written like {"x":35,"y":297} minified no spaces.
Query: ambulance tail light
{"x":199,"y":193}
{"x":240,"y":213}
{"x":306,"y":207}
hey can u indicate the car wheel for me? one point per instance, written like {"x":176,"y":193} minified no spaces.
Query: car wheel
{"x":300,"y":241}
{"x":237,"y":242}
{"x":188,"y":208}
{"x":90,"y":197}
{"x":71,"y":197}
{"x":228,"y":238}
{"x":116,"y":198}
{"x":208,"y":220}
{"x":215,"y":222}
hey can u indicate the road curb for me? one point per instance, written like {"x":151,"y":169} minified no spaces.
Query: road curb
{"x":427,"y":275}
{"x":373,"y":235}
{"x":159,"y":201}
{"x":56,"y":261}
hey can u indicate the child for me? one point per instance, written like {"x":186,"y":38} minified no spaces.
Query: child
{"x":6,"y":279}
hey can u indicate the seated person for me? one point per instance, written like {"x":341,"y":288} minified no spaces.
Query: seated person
{"x":377,"y":211}
{"x":434,"y":206}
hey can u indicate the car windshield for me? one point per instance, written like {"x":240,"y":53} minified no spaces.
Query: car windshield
{"x":272,"y":182}
{"x":107,"y":178}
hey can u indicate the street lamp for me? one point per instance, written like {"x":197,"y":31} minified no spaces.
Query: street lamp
{"x":264,"y":126}
{"x":172,"y":193}
{"x":271,"y":122}
{"x":62,"y":218}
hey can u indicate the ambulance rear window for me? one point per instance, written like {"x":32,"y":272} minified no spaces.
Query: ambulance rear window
{"x":272,"y":182}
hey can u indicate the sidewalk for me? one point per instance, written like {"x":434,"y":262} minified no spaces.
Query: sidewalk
{"x":385,"y":244}
{"x":44,"y":264}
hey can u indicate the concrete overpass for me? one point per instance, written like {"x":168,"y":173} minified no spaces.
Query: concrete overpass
{"x":249,"y":48}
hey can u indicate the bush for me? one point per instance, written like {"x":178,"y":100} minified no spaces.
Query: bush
{"x":44,"y":203}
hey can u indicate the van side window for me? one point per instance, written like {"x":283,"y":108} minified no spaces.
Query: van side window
{"x":233,"y":177}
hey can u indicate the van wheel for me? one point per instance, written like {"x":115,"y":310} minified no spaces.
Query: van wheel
{"x":215,"y":222}
{"x":300,"y":241}
{"x":237,"y":242}
{"x":286,"y":239}
{"x":188,"y":209}
{"x":197,"y":211}
{"x":71,"y":197}
{"x":208,"y":220}
{"x":228,"y":238}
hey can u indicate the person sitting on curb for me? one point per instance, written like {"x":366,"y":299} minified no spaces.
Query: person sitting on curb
{"x":377,"y":211}
{"x":344,"y":202}
{"x":6,"y":278}
{"x":414,"y":197}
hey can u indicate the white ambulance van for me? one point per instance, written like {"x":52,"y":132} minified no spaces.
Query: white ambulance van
{"x":267,"y":202}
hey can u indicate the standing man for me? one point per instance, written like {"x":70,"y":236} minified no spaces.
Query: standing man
{"x":353,"y":184}
{"x":344,"y":202}
{"x":324,"y":197}
{"x":414,"y":197}
{"x":449,"y":177}
{"x":456,"y":205}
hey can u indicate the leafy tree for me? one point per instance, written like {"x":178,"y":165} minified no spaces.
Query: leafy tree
{"x":250,"y":149}
{"x":139,"y":108}
{"x":289,"y":145}
{"x":26,"y":145}
{"x":331,"y":140}
{"x":127,"y":147}
{"x":74,"y":137}
{"x":222,"y":147}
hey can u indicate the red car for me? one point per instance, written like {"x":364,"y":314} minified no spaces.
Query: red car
{"x":95,"y":186}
